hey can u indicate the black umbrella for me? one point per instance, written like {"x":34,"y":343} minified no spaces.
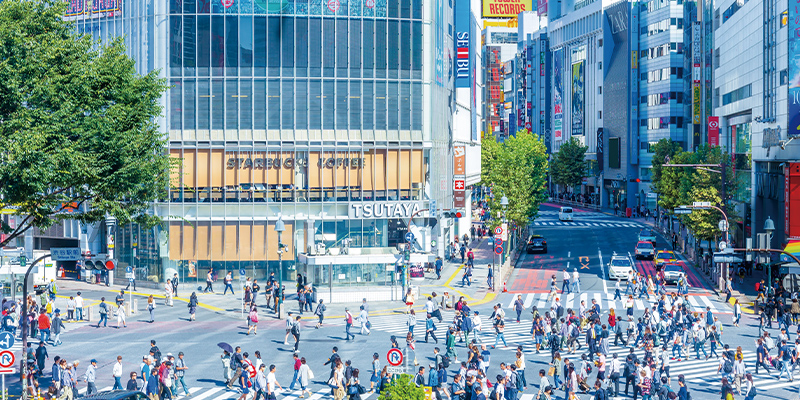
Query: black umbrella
{"x":225,"y":346}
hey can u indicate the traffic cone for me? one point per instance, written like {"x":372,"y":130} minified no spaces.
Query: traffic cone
{"x":504,"y":288}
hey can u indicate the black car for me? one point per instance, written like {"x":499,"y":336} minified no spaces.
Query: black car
{"x":536,"y":243}
{"x":117,"y":395}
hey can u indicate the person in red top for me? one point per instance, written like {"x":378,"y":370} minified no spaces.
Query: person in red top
{"x":44,"y":326}
{"x":297,"y":365}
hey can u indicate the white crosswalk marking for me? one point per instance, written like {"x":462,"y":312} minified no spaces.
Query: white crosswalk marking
{"x":529,"y":300}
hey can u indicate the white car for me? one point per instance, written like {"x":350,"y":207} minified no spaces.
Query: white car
{"x":565,"y":214}
{"x":673,"y":272}
{"x":620,"y":267}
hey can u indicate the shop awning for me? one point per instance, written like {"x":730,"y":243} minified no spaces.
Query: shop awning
{"x":792,"y":247}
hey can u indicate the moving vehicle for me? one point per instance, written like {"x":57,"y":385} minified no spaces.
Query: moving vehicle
{"x":673,"y":272}
{"x":646,"y":235}
{"x":663,"y":257}
{"x":565,"y":214}
{"x":118,"y":395}
{"x":536,"y":243}
{"x":645,"y":250}
{"x":620,"y":267}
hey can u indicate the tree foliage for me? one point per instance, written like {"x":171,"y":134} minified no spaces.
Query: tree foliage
{"x":78,"y":124}
{"x":663,"y":149}
{"x":519,"y":172}
{"x":685,"y":185}
{"x":489,"y":153}
{"x":402,"y":388}
{"x":569,"y":164}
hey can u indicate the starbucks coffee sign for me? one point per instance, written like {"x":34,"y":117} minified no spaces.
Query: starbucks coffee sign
{"x":291,"y":162}
{"x":382,"y":210}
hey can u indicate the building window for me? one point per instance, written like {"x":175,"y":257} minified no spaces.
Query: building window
{"x":784,"y":77}
{"x":736,"y":95}
{"x":599,"y":90}
{"x":613,"y":153}
{"x":599,"y":115}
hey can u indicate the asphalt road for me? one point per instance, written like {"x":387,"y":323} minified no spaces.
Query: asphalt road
{"x":585,"y":244}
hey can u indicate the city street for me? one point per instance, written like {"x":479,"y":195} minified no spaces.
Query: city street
{"x":586,"y":244}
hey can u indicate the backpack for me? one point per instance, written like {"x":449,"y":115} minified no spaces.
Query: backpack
{"x":349,"y":318}
{"x":727,"y":367}
{"x":295,"y":330}
{"x":575,"y":332}
{"x":519,"y":381}
{"x":254,"y":316}
{"x":446,"y":361}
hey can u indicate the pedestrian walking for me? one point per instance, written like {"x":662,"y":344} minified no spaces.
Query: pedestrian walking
{"x":56,"y":326}
{"x":209,"y":281}
{"x":121,"y":316}
{"x":70,"y":308}
{"x":348,"y":320}
{"x":116,"y":372}
{"x":180,"y":372}
{"x":363,"y":317}
{"x":252,"y":321}
{"x":168,"y":293}
{"x":320,"y":313}
{"x":79,"y":306}
{"x":411,"y":322}
{"x":152,"y":385}
{"x":565,"y":283}
{"x":228,"y":283}
{"x":289,"y":324}
{"x":151,"y":307}
{"x":576,"y":281}
{"x":296,"y":333}
{"x":519,"y":305}
{"x":430,"y":329}
{"x":174,"y":283}
{"x":192,"y":305}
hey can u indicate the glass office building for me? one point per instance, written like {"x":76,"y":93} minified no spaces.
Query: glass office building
{"x":317,"y":112}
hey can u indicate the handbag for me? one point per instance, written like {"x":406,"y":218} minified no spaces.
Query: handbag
{"x":551,"y":371}
{"x":352,"y":389}
{"x":362,"y":389}
{"x":369,"y":324}
{"x":332,"y":383}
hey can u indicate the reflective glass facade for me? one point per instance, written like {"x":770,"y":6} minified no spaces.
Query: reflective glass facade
{"x":312,"y":111}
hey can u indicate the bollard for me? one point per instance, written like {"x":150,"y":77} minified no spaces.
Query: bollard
{"x":135,"y":308}
{"x":87,"y":313}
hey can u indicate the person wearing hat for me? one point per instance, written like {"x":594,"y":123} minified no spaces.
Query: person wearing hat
{"x":89,"y":377}
{"x":180,"y":371}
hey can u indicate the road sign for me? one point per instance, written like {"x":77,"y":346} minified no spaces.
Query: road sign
{"x":498,"y":241}
{"x":65,"y":253}
{"x":129,"y":270}
{"x":6,"y":358}
{"x":679,"y":211}
{"x":433,"y":243}
{"x":394,"y":357}
{"x":723,"y":245}
{"x":702,"y":204}
{"x":6,"y":371}
{"x":498,"y":250}
{"x":409,"y":237}
{"x":723,"y":225}
{"x":395,"y":370}
{"x":498,"y":231}
{"x":6,"y":340}
{"x":23,"y":261}
{"x":433,"y":210}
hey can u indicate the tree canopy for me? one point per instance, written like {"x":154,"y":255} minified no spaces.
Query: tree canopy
{"x":78,"y":124}
{"x":569,"y":164}
{"x":665,"y":148}
{"x":402,"y":388}
{"x":517,"y":170}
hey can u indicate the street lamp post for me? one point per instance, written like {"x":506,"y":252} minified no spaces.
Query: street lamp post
{"x":769,"y":227}
{"x":279,"y":228}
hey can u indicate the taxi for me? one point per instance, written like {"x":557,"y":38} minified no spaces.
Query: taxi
{"x":663,"y":257}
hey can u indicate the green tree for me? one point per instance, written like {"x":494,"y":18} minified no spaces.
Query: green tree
{"x":402,"y":388}
{"x":569,"y":164}
{"x":661,"y":150}
{"x":519,"y":172}
{"x":78,"y":124}
{"x":489,"y":153}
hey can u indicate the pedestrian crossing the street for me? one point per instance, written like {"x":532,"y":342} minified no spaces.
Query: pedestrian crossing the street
{"x":606,"y":302}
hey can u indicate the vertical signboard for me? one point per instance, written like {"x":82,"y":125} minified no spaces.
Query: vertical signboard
{"x":599,"y":149}
{"x":439,"y":40}
{"x":696,"y":101}
{"x":473,"y":34}
{"x":541,"y":7}
{"x":463,"y":24}
{"x":459,"y":160}
{"x":713,"y":131}
{"x":558,"y":93}
{"x":791,"y":193}
{"x":794,"y":69}
{"x":577,"y":98}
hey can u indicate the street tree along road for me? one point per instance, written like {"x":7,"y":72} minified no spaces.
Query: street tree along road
{"x":79,"y":124}
{"x":569,"y":166}
{"x":517,"y":169}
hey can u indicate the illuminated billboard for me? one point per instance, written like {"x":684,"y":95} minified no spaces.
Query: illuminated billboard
{"x":505,"y":8}
{"x":794,"y":69}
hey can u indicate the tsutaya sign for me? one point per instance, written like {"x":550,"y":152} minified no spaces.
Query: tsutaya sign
{"x":383,"y":210}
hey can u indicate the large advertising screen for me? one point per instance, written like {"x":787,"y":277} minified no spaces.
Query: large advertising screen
{"x":558,"y":94}
{"x":505,"y":8}
{"x":577,"y":98}
{"x":794,"y":69}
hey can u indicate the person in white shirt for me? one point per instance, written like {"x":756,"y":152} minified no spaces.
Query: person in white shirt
{"x":79,"y":306}
{"x":261,"y":382}
{"x":576,"y":281}
{"x":615,"y":371}
{"x":543,"y":383}
{"x":477,"y":327}
{"x":272,"y":382}
{"x":117,"y":373}
{"x":364,"y":318}
{"x":665,"y":362}
{"x":739,"y":371}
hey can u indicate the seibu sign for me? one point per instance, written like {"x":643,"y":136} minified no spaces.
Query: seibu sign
{"x":291,"y":162}
{"x":382,"y":210}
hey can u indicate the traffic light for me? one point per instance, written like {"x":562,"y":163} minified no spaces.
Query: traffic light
{"x":453,"y":213}
{"x":636,"y":180}
{"x":100,"y":263}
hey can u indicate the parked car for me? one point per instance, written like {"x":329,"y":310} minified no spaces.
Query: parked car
{"x":536,"y":243}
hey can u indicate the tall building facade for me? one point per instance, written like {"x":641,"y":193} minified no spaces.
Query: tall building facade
{"x":499,"y":46}
{"x":532,"y":77}
{"x":330,"y":116}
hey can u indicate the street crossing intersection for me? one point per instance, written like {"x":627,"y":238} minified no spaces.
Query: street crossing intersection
{"x":606,"y":301}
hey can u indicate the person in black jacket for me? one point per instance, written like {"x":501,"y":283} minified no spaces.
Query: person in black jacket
{"x":599,"y":392}
{"x":332,"y":360}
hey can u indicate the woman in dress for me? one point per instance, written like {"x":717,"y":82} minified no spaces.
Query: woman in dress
{"x":306,"y":375}
{"x":168,"y":293}
{"x":411,"y":343}
{"x":338,"y":377}
{"x":121,"y":315}
{"x":409,"y":300}
{"x":151,"y":307}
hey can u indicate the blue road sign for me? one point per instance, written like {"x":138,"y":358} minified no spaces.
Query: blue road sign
{"x":129,"y":269}
{"x":409,"y":237}
{"x":130,"y":280}
{"x":6,"y":340}
{"x":434,"y":212}
{"x":242,"y":271}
